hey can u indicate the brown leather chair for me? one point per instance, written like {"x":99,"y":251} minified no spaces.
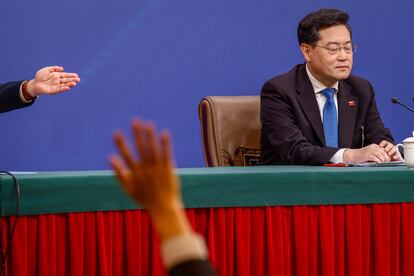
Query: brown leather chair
{"x":230,"y":130}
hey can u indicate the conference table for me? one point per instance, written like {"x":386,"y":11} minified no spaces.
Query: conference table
{"x":270,"y":220}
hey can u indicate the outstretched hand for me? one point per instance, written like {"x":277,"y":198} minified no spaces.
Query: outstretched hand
{"x":51,"y":80}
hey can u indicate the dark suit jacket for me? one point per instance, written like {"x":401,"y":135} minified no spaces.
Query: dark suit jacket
{"x":10,"y":98}
{"x":192,"y":267}
{"x":292,"y":129}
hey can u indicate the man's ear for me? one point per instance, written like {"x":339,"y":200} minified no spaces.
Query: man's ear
{"x":306,"y":51}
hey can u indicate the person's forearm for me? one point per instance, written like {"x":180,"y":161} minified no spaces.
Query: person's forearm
{"x":171,"y":222}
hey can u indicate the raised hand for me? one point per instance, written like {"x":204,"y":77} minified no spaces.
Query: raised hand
{"x":148,"y":177}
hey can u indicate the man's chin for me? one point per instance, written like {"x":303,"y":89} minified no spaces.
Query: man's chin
{"x":342,"y":75}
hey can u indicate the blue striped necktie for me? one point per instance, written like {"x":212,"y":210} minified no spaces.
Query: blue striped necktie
{"x":330,"y":119}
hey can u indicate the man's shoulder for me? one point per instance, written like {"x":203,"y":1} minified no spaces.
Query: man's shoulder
{"x":291,"y":75}
{"x":286,"y":80}
{"x":355,"y":80}
{"x":359,"y":86}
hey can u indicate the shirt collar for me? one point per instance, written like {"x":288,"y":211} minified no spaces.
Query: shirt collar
{"x":317,"y":85}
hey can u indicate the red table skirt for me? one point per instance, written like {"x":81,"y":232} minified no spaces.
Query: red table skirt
{"x":374,"y":239}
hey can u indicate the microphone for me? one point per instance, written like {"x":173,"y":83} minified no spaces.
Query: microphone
{"x":362,"y":136}
{"x":395,"y":100}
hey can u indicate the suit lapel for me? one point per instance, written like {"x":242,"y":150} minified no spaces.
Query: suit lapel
{"x":347,"y":109}
{"x":307,"y":101}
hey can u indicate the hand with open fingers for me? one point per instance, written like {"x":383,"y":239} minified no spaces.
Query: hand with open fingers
{"x":390,"y":149}
{"x":373,"y":153}
{"x":51,"y":80}
{"x":147,"y":177}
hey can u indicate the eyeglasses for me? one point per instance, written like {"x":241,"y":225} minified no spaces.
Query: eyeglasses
{"x":334,"y":49}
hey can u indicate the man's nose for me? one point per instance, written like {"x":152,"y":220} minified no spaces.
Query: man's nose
{"x":342,"y":55}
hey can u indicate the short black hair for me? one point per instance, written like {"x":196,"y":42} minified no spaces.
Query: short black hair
{"x":311,"y":24}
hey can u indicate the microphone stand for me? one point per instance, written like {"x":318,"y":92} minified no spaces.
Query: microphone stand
{"x":395,"y":100}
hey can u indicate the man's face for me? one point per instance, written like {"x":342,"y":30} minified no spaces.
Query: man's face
{"x":330,"y":60}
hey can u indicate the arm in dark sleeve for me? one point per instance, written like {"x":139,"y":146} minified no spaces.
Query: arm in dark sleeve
{"x":283,"y":127}
{"x":10,"y":97}
{"x":375,"y":131}
{"x":193,"y":267}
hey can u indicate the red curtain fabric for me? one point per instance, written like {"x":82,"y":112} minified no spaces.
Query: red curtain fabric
{"x":375,"y":239}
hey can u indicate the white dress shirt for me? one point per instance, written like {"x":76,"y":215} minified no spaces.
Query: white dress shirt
{"x":321,"y":99}
{"x":21,"y":94}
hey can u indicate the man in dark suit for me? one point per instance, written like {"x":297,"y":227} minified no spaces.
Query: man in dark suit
{"x":48,"y":81}
{"x":149,"y":179}
{"x":318,"y":112}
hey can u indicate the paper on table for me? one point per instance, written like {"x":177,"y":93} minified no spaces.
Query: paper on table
{"x":374,"y":164}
